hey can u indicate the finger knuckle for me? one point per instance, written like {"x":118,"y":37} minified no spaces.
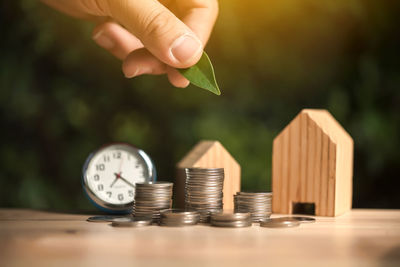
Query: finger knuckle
{"x":158,"y":23}
{"x":95,"y":7}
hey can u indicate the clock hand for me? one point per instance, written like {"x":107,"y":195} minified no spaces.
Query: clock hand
{"x":115,"y":180}
{"x":126,"y":181}
{"x":120,"y":165}
{"x":117,"y":175}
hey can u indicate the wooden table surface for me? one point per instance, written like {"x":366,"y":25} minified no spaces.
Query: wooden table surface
{"x":358,"y":238}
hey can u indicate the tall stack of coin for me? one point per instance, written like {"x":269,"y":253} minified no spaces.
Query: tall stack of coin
{"x":176,"y":217}
{"x":257,"y":203}
{"x":151,"y":198}
{"x":203,"y":191}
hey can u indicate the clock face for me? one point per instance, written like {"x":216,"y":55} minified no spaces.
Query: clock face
{"x":110,"y":175}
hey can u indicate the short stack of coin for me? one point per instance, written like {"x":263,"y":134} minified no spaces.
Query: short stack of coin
{"x":203,"y":191}
{"x":257,"y":203}
{"x":176,"y":217}
{"x":229,"y":219}
{"x":151,"y":198}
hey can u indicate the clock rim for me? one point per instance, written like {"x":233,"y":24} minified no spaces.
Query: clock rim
{"x":98,"y":202}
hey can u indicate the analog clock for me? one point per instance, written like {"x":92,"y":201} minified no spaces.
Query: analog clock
{"x":110,"y":174}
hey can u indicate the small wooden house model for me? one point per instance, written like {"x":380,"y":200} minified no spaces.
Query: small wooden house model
{"x":209,"y":154}
{"x":312,"y":166}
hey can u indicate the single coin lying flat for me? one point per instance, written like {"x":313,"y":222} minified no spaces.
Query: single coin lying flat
{"x":301,"y":219}
{"x":131,"y":222}
{"x":278,"y":223}
{"x":102,"y":218}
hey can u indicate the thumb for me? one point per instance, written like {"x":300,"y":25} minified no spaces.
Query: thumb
{"x":160,"y":31}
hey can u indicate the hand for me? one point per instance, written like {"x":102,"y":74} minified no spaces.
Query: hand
{"x":118,"y":176}
{"x":151,"y":37}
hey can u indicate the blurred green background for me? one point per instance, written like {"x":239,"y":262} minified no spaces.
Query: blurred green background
{"x":62,"y":96}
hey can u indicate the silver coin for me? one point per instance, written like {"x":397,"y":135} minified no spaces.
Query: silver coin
{"x":301,"y":219}
{"x":154,"y":193}
{"x":178,"y":212}
{"x":155,"y":184}
{"x":205,"y":179}
{"x":154,"y":202}
{"x":235,"y":224}
{"x":204,"y":169}
{"x":230,"y":216}
{"x":252,"y":204}
{"x":244,"y":194}
{"x":204,"y":197}
{"x":178,"y":224}
{"x":192,"y":220}
{"x":201,"y":190}
{"x":102,"y":218}
{"x":277,"y":223}
{"x":210,"y":184}
{"x":247,"y":198}
{"x":131,"y":222}
{"x":204,"y":186}
{"x":243,"y":200}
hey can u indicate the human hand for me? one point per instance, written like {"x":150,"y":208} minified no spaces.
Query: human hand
{"x":151,"y":37}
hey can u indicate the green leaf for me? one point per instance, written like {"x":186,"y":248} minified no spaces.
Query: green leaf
{"x":202,"y":75}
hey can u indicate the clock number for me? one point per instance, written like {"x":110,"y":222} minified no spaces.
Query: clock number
{"x":109,"y":193}
{"x":100,"y":187}
{"x":120,"y":197}
{"x":100,"y":167}
{"x":106,"y":158}
{"x":117,"y":155}
{"x":130,"y":193}
{"x":96,"y":177}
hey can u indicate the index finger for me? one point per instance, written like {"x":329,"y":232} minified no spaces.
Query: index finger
{"x":199,"y":16}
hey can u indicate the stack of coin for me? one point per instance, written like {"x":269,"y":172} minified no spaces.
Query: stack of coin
{"x":257,"y":203}
{"x":151,"y":198}
{"x":203,"y":191}
{"x":176,"y":217}
{"x":229,"y":219}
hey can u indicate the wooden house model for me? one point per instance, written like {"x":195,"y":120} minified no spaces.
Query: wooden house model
{"x":312,"y":166}
{"x":209,"y":154}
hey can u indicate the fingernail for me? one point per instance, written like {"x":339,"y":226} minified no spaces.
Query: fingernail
{"x":103,"y":40}
{"x":137,"y":72}
{"x":185,"y":48}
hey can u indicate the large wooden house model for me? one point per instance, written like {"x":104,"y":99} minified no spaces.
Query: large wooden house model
{"x":312,"y":166}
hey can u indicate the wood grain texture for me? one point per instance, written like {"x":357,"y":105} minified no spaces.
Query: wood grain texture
{"x":209,"y":154}
{"x":312,"y":162}
{"x":358,"y":238}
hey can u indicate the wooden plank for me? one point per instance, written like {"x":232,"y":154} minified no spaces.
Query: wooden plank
{"x":331,"y":179}
{"x":294,"y":162}
{"x":276,"y":175}
{"x":311,"y":160}
{"x":317,"y":170}
{"x":304,"y":144}
{"x":323,"y":188}
{"x":284,"y":205}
